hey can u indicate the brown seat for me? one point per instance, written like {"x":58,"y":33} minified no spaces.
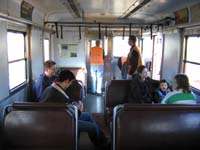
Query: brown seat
{"x":156,"y":127}
{"x":76,"y":91}
{"x":35,"y":126}
{"x":116,"y":93}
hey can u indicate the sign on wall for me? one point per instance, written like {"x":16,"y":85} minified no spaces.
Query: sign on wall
{"x":182,"y":16}
{"x":68,"y":50}
{"x":26,"y":10}
{"x":195,"y":13}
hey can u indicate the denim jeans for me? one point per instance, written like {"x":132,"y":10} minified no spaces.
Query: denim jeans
{"x":97,"y":78}
{"x":87,"y":124}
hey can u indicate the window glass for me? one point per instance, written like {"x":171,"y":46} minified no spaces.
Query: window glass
{"x":93,"y":43}
{"x":17,"y":73}
{"x":193,"y":76}
{"x":193,"y":49}
{"x":46,"y":50}
{"x":105,"y":46}
{"x":15,"y":46}
{"x":16,"y":58}
{"x":120,"y":46}
{"x":147,"y":49}
{"x":192,"y":61}
{"x":157,"y":57}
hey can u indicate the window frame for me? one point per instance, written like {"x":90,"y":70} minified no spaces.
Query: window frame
{"x":21,"y":85}
{"x":185,"y":61}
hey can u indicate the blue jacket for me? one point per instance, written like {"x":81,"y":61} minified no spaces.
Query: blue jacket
{"x":161,"y":94}
{"x":42,"y":83}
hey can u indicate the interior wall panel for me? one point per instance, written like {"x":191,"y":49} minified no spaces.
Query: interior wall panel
{"x":171,"y":56}
{"x":64,"y":57}
{"x":4,"y":84}
{"x":37,"y":52}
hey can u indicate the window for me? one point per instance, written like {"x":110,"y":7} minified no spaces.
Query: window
{"x":105,"y":45}
{"x":147,"y":49}
{"x":120,"y":46}
{"x":16,"y":58}
{"x":157,"y":56}
{"x":93,"y":43}
{"x":46,"y":50}
{"x":192,"y":61}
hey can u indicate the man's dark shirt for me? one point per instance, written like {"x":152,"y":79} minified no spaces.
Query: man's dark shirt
{"x":133,"y":60}
{"x":52,"y":95}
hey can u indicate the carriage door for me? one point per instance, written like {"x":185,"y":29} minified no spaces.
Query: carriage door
{"x":106,"y":44}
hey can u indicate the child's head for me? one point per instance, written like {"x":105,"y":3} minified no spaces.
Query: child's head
{"x":163,"y":85}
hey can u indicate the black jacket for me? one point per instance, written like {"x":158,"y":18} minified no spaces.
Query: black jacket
{"x":142,"y":91}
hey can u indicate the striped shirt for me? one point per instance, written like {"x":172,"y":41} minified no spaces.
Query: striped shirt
{"x":178,"y":97}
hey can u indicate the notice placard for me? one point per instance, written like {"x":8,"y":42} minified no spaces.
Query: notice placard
{"x":181,"y":16}
{"x":26,"y":10}
{"x":195,"y":13}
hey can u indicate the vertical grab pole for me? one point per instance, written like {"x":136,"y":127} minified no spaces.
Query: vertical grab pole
{"x":79,"y":29}
{"x":130,"y":30}
{"x":61,"y":32}
{"x":141,"y":31}
{"x":106,"y":32}
{"x":151,"y":28}
{"x":56,"y":24}
{"x":123,"y":32}
{"x":99,"y":30}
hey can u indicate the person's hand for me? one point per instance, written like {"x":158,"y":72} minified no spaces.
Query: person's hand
{"x":80,"y":106}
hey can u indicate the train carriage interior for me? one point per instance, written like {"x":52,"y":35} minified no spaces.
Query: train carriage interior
{"x":33,"y":31}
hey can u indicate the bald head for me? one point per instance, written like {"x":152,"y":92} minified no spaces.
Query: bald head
{"x":98,"y":42}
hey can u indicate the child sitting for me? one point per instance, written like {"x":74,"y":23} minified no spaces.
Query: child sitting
{"x":163,"y":89}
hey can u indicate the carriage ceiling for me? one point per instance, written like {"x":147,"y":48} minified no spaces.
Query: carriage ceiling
{"x":109,"y":10}
{"x":118,"y":13}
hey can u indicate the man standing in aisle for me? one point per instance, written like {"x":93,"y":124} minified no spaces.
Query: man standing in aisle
{"x":97,"y":67}
{"x":134,"y":59}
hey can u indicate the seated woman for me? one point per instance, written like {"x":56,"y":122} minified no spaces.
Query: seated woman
{"x":141,"y":89}
{"x":181,"y":92}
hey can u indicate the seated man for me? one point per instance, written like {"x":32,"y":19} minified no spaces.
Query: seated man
{"x":55,"y":93}
{"x":45,"y":78}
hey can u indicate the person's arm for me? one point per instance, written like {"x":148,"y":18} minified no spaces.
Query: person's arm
{"x":165,"y":99}
{"x":39,"y":87}
{"x":45,"y":96}
{"x":79,"y":106}
{"x":134,"y":62}
{"x":135,"y":93}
